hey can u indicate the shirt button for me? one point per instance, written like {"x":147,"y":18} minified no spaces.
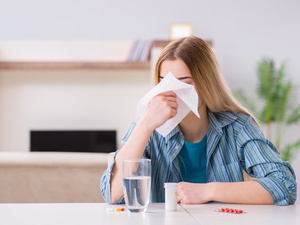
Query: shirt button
{"x":176,"y":147}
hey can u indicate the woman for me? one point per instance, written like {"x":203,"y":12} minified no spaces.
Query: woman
{"x":206,"y":155}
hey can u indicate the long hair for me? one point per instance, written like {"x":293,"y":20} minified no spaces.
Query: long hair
{"x":204,"y":68}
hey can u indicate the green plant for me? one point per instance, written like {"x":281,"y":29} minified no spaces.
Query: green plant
{"x":278,"y":109}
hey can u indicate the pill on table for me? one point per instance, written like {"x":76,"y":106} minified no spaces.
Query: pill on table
{"x":227,"y":210}
{"x":109,"y":210}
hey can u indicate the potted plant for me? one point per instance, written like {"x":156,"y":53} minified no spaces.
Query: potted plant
{"x":274,"y":106}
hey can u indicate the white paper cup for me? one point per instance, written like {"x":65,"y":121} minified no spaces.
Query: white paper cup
{"x":171,"y":196}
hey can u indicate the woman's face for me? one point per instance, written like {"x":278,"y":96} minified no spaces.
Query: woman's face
{"x":180,"y":70}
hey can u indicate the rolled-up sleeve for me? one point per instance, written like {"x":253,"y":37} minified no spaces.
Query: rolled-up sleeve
{"x":105,"y":183}
{"x":106,"y":177}
{"x":262,"y":160}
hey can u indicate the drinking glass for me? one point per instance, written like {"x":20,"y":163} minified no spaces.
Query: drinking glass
{"x":137,"y":184}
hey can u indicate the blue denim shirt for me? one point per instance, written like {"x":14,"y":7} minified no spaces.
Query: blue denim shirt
{"x":234,"y":143}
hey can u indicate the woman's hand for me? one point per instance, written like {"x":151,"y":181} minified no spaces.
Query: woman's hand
{"x":161,"y":108}
{"x":191,"y":193}
{"x":247,"y":192}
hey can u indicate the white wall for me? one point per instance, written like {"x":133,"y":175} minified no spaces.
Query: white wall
{"x":243,"y":32}
{"x":67,"y":100}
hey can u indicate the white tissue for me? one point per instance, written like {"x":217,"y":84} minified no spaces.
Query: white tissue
{"x":187,"y":99}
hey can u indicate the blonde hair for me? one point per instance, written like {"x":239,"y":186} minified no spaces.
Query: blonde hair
{"x":204,"y":68}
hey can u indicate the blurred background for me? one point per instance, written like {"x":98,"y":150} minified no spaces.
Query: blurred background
{"x":242,"y":33}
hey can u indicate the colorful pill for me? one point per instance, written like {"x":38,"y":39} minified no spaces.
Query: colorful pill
{"x":230,"y":210}
{"x":109,"y":210}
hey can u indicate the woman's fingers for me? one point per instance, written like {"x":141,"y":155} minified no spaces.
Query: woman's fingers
{"x":173,"y":113}
{"x":161,"y":108}
{"x":189,"y":193}
{"x":168,"y":93}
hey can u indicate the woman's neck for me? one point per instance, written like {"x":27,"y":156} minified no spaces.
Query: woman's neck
{"x":194,"y":128}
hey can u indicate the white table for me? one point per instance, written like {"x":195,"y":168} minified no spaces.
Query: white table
{"x":207,"y":214}
{"x":88,"y":214}
{"x":96,"y":213}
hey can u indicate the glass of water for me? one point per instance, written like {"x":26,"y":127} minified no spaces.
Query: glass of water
{"x":137,"y":184}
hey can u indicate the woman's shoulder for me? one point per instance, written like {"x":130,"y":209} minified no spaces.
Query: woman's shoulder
{"x":243,"y":119}
{"x":238,"y":121}
{"x":245,"y":127}
{"x":234,"y":118}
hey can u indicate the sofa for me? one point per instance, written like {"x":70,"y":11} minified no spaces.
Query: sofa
{"x":51,"y":177}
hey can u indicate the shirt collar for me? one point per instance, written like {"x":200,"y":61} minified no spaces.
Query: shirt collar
{"x":173,"y":132}
{"x":216,"y":121}
{"x":219,"y":120}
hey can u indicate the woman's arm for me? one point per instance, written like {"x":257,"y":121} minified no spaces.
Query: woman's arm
{"x":133,"y":149}
{"x":247,"y":192}
{"x":161,"y":108}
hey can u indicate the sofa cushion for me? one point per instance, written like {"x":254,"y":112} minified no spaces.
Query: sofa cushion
{"x":46,"y":177}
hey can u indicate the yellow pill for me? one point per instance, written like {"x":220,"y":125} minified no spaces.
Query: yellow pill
{"x":117,"y":209}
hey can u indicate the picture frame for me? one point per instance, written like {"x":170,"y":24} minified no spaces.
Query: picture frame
{"x":180,"y":30}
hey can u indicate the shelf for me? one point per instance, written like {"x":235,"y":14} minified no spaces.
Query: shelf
{"x":69,"y":65}
{"x":75,"y":65}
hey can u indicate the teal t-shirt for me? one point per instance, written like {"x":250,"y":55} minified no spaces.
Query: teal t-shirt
{"x":192,"y":161}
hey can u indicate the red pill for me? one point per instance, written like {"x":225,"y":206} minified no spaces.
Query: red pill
{"x":230,"y":210}
{"x":122,"y":209}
